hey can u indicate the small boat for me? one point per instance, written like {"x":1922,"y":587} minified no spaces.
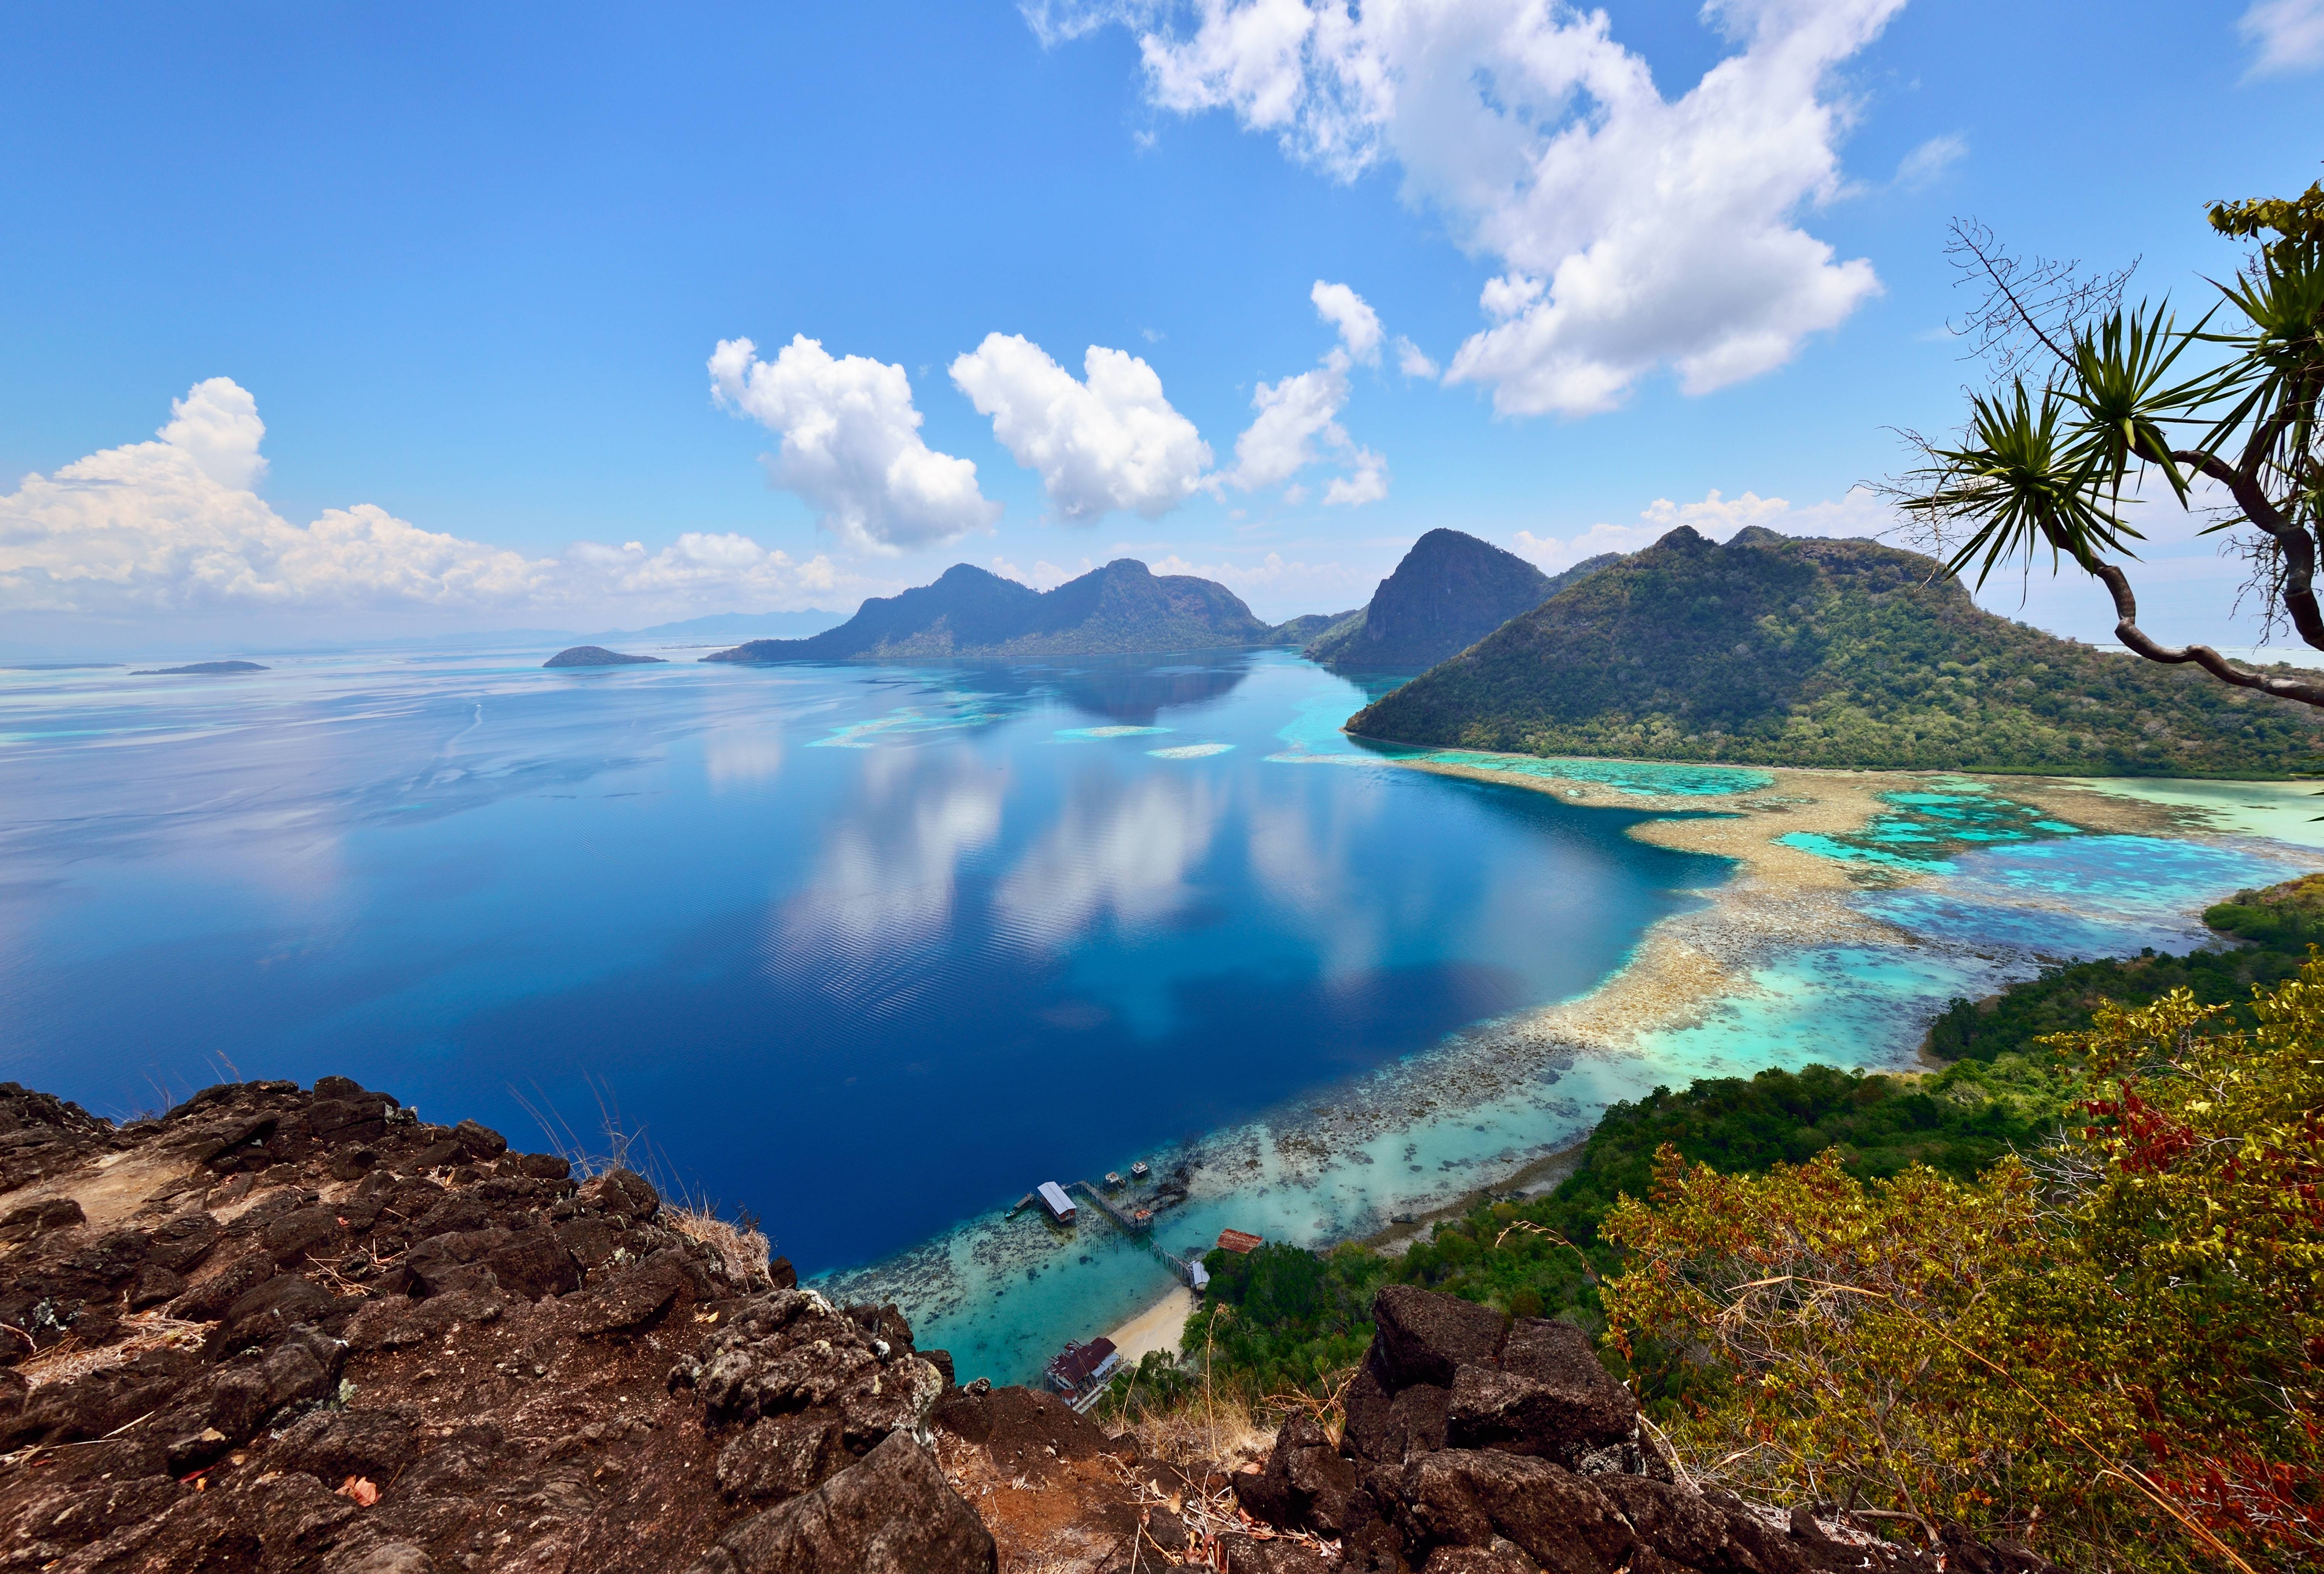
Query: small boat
{"x":1113,"y":1180}
{"x":1139,"y":1172}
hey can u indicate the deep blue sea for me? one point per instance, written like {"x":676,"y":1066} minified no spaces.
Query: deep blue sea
{"x":863,"y":950}
{"x":870,"y":951}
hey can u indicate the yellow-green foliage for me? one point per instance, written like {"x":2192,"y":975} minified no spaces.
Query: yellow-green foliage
{"x":2109,"y":1348}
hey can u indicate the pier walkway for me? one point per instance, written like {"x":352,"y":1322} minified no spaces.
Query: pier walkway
{"x":1139,"y":1226}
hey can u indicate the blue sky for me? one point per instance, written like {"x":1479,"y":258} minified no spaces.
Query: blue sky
{"x":470,"y":268}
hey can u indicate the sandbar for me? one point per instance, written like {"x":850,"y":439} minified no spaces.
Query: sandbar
{"x":1779,"y":897}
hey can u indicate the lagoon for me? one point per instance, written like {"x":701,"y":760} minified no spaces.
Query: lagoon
{"x":864,"y":950}
{"x":869,"y":951}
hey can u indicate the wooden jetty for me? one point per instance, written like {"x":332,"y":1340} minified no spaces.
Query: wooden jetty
{"x":1135,"y":1220}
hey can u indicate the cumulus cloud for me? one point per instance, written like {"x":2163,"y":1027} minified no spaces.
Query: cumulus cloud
{"x":851,"y":445}
{"x":2285,"y":35}
{"x":1411,"y":360}
{"x":216,"y":426}
{"x":1110,"y":442}
{"x":1292,"y":415}
{"x":1858,"y":512}
{"x":1359,"y":325}
{"x":1367,"y":482}
{"x":1634,"y":231}
{"x":1299,"y":420}
{"x":173,"y":528}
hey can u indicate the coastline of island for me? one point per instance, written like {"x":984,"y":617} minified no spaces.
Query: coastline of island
{"x":1779,"y":899}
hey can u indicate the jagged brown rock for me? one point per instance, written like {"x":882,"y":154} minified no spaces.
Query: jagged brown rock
{"x":299,"y":1331}
{"x":1477,"y":1444}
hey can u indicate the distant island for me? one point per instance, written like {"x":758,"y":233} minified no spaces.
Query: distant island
{"x":1771,"y":650}
{"x":1450,"y":591}
{"x":1121,"y":608}
{"x":197,"y":669}
{"x":1313,"y":626}
{"x":598,"y":656}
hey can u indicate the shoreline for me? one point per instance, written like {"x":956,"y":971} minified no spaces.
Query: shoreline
{"x":1783,"y":961}
{"x":1778,"y":899}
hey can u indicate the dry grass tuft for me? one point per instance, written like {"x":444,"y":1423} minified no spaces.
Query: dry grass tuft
{"x":144,"y":1331}
{"x":742,"y":1246}
{"x":1220,"y":1428}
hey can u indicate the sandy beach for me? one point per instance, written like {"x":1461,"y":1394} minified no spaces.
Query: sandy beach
{"x":1156,"y":1327}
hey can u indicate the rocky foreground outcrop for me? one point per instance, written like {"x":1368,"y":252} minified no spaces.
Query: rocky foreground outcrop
{"x":301,"y":1331}
{"x":282,"y":1329}
{"x":1474,"y":1444}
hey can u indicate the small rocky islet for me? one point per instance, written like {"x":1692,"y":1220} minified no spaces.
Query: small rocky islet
{"x":302,"y":1332}
{"x":199,"y":670}
{"x":598,"y":656}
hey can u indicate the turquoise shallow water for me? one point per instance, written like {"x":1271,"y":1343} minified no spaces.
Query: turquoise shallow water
{"x":867,"y":951}
{"x":1919,"y":828}
{"x":872,"y":950}
{"x":2003,"y":891}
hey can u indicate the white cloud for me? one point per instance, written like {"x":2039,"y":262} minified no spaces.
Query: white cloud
{"x":1292,"y":414}
{"x":1358,"y":323}
{"x":1289,"y":586}
{"x":2286,"y":35}
{"x":1301,"y":411}
{"x":1922,"y":167}
{"x":1411,"y":360}
{"x":1111,"y":443}
{"x":1718,"y":516}
{"x":1634,"y":231}
{"x":171,"y":529}
{"x":1044,"y":575}
{"x":216,"y":426}
{"x":851,"y":445}
{"x":1367,"y":484}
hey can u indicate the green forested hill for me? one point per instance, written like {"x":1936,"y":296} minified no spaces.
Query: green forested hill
{"x":1776,"y":651}
{"x":1449,"y":591}
{"x":1121,"y":608}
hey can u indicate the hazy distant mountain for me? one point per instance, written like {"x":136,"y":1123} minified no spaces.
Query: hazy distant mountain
{"x":968,"y":612}
{"x":1771,"y":650}
{"x":1311,"y":626}
{"x":1450,"y":591}
{"x":736,"y":626}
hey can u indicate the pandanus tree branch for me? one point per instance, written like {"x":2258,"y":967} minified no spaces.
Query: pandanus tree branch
{"x":2045,"y":464}
{"x":2137,"y":641}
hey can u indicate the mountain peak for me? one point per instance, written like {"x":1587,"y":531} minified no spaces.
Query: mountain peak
{"x":1798,"y":651}
{"x":1450,"y":591}
{"x":970,"y":611}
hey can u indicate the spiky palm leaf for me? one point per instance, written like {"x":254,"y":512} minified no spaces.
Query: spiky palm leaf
{"x":2024,"y":479}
